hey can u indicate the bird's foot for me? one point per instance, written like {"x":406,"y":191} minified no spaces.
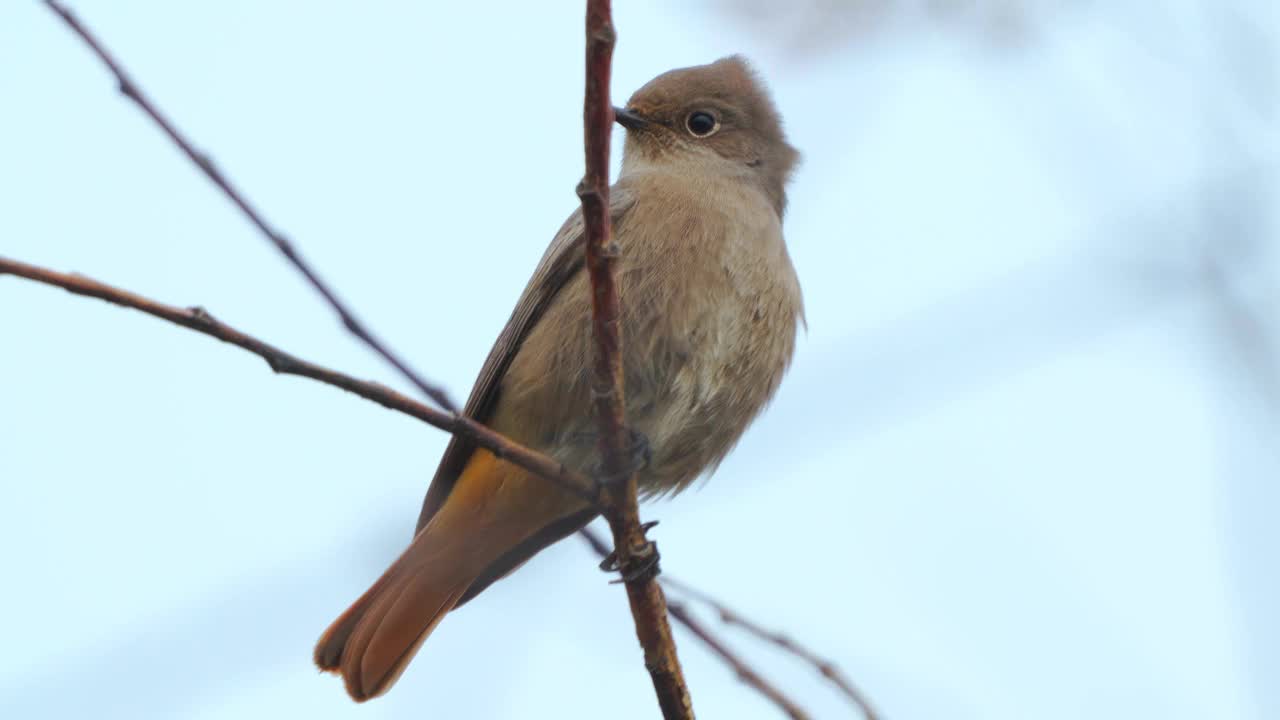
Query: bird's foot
{"x":636,"y":457}
{"x":639,"y":451}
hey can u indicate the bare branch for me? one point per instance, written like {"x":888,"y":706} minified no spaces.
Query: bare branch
{"x":130,"y":89}
{"x":635,"y":557}
{"x":285,"y":363}
{"x":827,"y":668}
{"x":198,"y":319}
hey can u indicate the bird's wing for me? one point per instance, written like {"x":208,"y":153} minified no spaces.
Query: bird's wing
{"x":563,"y":259}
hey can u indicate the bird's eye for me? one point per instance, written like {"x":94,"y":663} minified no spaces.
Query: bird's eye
{"x":701,"y":123}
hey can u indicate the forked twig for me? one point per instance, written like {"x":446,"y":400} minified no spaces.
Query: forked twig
{"x":285,"y":363}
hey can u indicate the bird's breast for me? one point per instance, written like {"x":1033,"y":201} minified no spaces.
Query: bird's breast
{"x":710,"y":303}
{"x":709,"y":307}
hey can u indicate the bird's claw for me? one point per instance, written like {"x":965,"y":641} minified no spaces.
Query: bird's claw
{"x":638,"y":455}
{"x":642,"y":563}
{"x":640,"y":451}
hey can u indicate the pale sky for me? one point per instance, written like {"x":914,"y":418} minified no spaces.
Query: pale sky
{"x":1021,"y":467}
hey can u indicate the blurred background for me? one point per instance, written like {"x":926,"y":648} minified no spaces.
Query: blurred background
{"x":1025,"y":464}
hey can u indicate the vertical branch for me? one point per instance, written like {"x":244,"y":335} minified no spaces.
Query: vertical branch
{"x":602,"y":252}
{"x":635,"y":556}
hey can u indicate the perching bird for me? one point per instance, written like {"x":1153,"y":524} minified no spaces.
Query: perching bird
{"x":710,"y":306}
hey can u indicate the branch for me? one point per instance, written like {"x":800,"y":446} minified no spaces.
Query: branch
{"x":130,"y":89}
{"x":827,"y":668}
{"x":285,"y":363}
{"x":198,"y":319}
{"x":634,"y":556}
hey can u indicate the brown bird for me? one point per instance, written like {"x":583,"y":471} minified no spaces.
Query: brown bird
{"x":710,"y":305}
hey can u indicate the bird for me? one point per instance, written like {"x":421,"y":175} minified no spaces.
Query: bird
{"x":710,"y":311}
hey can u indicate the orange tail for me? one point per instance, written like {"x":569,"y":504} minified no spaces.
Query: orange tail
{"x":493,"y":508}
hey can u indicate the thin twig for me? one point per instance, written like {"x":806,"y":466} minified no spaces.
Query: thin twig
{"x":634,"y":555}
{"x":745,"y":673}
{"x":285,"y":363}
{"x":681,"y":614}
{"x":130,"y":89}
{"x":198,"y":319}
{"x":827,"y":668}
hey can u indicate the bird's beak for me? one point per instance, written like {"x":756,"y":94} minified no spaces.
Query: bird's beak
{"x":629,"y":119}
